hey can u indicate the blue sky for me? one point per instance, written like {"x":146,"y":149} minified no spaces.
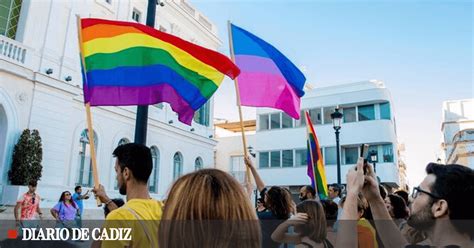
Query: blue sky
{"x":422,"y":50}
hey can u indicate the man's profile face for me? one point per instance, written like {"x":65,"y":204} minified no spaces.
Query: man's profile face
{"x":421,"y":216}
{"x":79,"y":190}
{"x":332,"y":194}
{"x":120,"y":179}
{"x":303,"y":193}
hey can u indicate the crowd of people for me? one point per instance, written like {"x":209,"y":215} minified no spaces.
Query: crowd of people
{"x":209,"y":208}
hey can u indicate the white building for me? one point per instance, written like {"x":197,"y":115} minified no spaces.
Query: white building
{"x":458,"y":132}
{"x":40,"y":88}
{"x":280,"y":141}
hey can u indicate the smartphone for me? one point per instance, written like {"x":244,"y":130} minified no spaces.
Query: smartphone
{"x":364,"y":152}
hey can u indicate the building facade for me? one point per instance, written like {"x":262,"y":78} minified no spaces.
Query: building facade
{"x":458,"y":132}
{"x":41,"y":88}
{"x":279,"y":142}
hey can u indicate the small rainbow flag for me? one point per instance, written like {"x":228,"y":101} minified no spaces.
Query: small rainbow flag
{"x":315,"y":161}
{"x":131,"y":64}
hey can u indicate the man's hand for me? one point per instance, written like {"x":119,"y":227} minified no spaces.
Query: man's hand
{"x":355,"y":177}
{"x":99,"y":192}
{"x":371,"y":187}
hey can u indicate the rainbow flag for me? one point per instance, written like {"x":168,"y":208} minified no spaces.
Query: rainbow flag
{"x":128,"y":63}
{"x":315,"y":161}
{"x":268,"y":78}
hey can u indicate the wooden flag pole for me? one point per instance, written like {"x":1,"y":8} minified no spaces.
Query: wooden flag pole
{"x":237,"y":93}
{"x":95,"y":173}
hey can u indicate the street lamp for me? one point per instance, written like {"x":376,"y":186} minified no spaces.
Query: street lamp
{"x":373,"y":159}
{"x":336,"y":124}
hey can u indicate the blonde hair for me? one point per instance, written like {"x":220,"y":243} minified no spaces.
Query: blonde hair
{"x":208,"y":208}
{"x":315,"y":229}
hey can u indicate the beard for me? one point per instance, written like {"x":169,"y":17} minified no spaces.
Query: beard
{"x":123,"y":189}
{"x":303,"y":198}
{"x":423,"y":219}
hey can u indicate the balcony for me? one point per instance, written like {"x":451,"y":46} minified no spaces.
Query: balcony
{"x":200,"y":18}
{"x":16,"y":53}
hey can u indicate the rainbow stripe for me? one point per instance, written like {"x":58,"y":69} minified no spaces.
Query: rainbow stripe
{"x":131,"y":64}
{"x":315,"y":161}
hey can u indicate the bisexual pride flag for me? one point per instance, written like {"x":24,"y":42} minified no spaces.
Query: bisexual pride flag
{"x":267,"y":78}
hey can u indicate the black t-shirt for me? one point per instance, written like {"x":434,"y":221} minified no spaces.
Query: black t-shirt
{"x":268,"y":222}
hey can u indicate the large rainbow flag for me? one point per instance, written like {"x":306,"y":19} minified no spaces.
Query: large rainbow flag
{"x":128,"y":63}
{"x":315,"y":161}
{"x":268,"y":78}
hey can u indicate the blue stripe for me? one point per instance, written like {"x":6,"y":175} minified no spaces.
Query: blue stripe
{"x":134,"y":76}
{"x":245,"y":42}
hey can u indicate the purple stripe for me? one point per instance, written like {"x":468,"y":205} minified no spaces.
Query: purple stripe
{"x":267,"y":90}
{"x":145,"y":95}
{"x":251,"y":63}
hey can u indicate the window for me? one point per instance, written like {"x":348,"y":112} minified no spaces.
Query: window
{"x":327,"y":114}
{"x":198,"y":163}
{"x":263,"y":160}
{"x":155,"y":172}
{"x":351,"y":154}
{"x":330,"y":155}
{"x":349,"y":114}
{"x":302,"y":120}
{"x":85,"y":163}
{"x":9,"y":17}
{"x":385,"y":111}
{"x":263,"y":122}
{"x":108,"y":1}
{"x":177,"y":165}
{"x":374,"y":148}
{"x":275,"y":159}
{"x":366,"y":112}
{"x":287,"y":158}
{"x":202,"y":115}
{"x":286,"y":121}
{"x":160,"y":105}
{"x":238,"y":168}
{"x":315,"y":115}
{"x":301,"y":157}
{"x":136,"y":15}
{"x":387,"y":153}
{"x":275,"y":121}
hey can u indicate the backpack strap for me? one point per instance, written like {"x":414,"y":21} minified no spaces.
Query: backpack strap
{"x":144,"y":227}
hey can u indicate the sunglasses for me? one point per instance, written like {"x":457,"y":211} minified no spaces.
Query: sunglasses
{"x":416,"y":192}
{"x":67,"y":194}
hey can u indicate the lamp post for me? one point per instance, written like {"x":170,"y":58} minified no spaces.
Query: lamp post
{"x":336,"y":124}
{"x":373,"y":159}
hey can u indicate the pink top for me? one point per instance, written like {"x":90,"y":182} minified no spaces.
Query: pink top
{"x":29,"y":207}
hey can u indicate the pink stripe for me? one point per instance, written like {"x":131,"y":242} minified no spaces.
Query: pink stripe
{"x":145,"y":95}
{"x":266,"y":90}
{"x":250,"y":63}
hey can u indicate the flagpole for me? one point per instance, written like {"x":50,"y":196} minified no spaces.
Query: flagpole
{"x":306,"y":115}
{"x":95,"y":173}
{"x":237,"y":93}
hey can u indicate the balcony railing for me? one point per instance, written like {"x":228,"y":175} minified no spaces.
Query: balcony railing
{"x":12,"y":50}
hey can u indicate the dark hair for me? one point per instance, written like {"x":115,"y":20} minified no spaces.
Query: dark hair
{"x":337,"y":188}
{"x":77,"y":188}
{"x":403,"y":194}
{"x":62,"y":199}
{"x":399,"y":206}
{"x":33,"y":183}
{"x":279,"y":202}
{"x":330,"y":210}
{"x":118,"y":201}
{"x":137,"y":158}
{"x":310,"y":189}
{"x":383,"y":191}
{"x":455,"y":184}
